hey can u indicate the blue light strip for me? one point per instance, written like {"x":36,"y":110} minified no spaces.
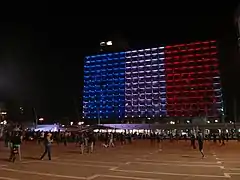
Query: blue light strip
{"x":145,"y":86}
{"x":104,"y":83}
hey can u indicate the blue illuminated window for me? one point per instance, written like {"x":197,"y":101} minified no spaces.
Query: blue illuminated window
{"x":104,"y":85}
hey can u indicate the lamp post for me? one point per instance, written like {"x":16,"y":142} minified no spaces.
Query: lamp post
{"x":235,"y":114}
{"x":36,"y":118}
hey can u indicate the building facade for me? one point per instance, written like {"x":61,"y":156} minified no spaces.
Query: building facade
{"x":170,"y":81}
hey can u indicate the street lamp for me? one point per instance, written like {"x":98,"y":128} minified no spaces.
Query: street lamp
{"x":109,"y":43}
{"x":80,"y":123}
{"x":106,"y":43}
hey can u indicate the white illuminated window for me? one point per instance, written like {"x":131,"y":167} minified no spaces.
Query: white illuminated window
{"x":109,"y":43}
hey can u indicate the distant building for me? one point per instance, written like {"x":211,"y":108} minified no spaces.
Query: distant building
{"x":181,"y":81}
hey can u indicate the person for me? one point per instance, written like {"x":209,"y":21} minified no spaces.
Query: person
{"x":15,"y":146}
{"x":159,"y":141}
{"x":91,"y":142}
{"x":65,"y":137}
{"x":47,"y":144}
{"x":111,"y":140}
{"x":192,"y":137}
{"x":200,"y":142}
{"x":81,"y":141}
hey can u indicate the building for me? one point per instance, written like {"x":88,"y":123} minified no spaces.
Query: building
{"x":170,"y":81}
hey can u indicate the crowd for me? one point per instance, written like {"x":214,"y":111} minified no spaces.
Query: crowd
{"x":86,"y":140}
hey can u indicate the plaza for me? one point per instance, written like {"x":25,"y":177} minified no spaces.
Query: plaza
{"x":138,"y":161}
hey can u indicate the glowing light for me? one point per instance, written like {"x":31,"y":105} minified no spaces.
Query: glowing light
{"x":109,"y":43}
{"x":102,"y":43}
{"x":80,"y":123}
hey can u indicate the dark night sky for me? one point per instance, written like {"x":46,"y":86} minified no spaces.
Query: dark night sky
{"x":41,"y":61}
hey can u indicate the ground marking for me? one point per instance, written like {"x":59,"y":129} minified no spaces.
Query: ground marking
{"x":186,"y":165}
{"x":227,"y":175}
{"x":170,"y":174}
{"x":179,"y":154}
{"x":7,"y":178}
{"x":83,"y":161}
{"x":231,"y":162}
{"x":219,"y":162}
{"x":232,"y":169}
{"x":93,"y":177}
{"x":42,"y":174}
{"x":126,"y":177}
{"x":66,"y":163}
{"x":113,"y":168}
{"x":232,"y":173}
{"x":190,"y":162}
{"x":74,"y":164}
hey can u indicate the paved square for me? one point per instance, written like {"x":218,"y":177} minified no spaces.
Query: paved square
{"x":138,"y":161}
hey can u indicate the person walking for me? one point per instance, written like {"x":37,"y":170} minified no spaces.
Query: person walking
{"x":192,"y":137}
{"x":16,"y":143}
{"x":200,"y":138}
{"x":111,"y":140}
{"x":81,"y":141}
{"x":91,"y":142}
{"x":47,"y":144}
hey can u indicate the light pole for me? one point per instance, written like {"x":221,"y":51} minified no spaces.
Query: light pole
{"x":36,"y":118}
{"x":235,"y":113}
{"x":76,"y":109}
